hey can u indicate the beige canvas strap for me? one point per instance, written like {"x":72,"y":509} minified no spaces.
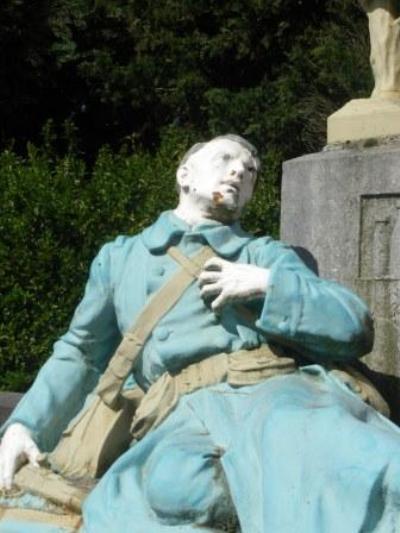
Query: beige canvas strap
{"x":241,"y":368}
{"x":49,"y":485}
{"x":69,"y":521}
{"x":121,"y":364}
{"x":363,"y":387}
{"x":193,"y":265}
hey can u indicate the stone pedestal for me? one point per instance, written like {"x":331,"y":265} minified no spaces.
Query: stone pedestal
{"x":366,"y":118}
{"x":343,"y":206}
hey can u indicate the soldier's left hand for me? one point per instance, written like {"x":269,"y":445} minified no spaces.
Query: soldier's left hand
{"x":225,"y":282}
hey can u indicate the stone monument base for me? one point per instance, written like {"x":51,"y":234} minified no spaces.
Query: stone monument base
{"x":365,"y":118}
{"x":343,"y":207}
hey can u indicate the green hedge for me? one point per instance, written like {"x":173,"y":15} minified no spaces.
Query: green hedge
{"x":55,"y":214}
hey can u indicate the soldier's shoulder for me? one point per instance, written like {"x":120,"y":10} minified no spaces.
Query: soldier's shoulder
{"x":120,"y":247}
{"x":268,"y":249}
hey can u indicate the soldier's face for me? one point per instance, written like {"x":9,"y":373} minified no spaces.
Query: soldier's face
{"x":221,"y":177}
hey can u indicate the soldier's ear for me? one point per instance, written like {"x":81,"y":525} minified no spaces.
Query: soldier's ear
{"x":183,"y":178}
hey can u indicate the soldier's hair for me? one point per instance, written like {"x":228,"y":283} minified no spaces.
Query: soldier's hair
{"x":231,"y":137}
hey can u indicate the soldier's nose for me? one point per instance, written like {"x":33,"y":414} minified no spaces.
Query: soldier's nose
{"x":237,"y":172}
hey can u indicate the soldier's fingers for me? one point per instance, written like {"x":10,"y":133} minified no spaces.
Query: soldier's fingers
{"x":209,"y":277}
{"x":211,"y":289}
{"x":7,"y":483}
{"x":220,"y":301}
{"x":4,"y":483}
{"x":8,"y":472}
{"x":2,"y":480}
{"x":32,"y":453}
{"x":215,"y":263}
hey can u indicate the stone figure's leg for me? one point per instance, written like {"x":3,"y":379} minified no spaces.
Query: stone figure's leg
{"x":310,"y":457}
{"x":170,"y":481}
{"x":184,"y":481}
{"x":301,"y":454}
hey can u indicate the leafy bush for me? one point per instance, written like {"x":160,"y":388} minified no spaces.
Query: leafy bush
{"x":131,"y":68}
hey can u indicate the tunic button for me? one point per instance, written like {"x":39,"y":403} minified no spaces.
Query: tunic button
{"x":162,"y":334}
{"x":159,"y":271}
{"x":284,"y":326}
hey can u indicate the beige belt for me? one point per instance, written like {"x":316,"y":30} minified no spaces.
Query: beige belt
{"x":244,"y":367}
{"x":69,"y":520}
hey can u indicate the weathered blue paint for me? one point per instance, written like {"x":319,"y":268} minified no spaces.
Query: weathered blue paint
{"x":295,"y":453}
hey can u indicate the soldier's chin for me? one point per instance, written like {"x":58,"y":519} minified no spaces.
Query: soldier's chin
{"x":226,"y":211}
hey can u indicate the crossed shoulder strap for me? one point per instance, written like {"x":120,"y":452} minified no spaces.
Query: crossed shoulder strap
{"x":123,"y":360}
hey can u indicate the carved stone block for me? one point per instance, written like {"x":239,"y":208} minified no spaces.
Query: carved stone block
{"x":343,"y":206}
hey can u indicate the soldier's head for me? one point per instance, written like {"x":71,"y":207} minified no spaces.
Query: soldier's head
{"x":219,"y":176}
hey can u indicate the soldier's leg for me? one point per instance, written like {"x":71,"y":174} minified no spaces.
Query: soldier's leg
{"x":184,"y":482}
{"x":170,"y":481}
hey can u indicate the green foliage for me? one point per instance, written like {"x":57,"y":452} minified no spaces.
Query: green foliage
{"x":128,"y":69}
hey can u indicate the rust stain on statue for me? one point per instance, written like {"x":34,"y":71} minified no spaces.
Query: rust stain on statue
{"x":217,"y":197}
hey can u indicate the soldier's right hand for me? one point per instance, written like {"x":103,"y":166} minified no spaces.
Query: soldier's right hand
{"x":17,"y":447}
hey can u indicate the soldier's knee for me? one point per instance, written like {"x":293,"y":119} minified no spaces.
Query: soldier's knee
{"x":184,"y":485}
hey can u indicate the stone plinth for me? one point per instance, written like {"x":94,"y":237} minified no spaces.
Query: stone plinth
{"x":8,"y":400}
{"x":365,"y":118}
{"x":343,"y":206}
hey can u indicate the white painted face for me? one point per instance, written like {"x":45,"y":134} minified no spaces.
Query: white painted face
{"x":219,"y":178}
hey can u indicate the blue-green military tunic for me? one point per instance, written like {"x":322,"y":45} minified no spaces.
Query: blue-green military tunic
{"x":293,"y":453}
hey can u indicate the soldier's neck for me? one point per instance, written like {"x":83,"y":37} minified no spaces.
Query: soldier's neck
{"x":190,"y":216}
{"x":194,"y":213}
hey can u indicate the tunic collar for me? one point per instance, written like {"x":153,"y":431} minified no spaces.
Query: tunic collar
{"x":168,"y":229}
